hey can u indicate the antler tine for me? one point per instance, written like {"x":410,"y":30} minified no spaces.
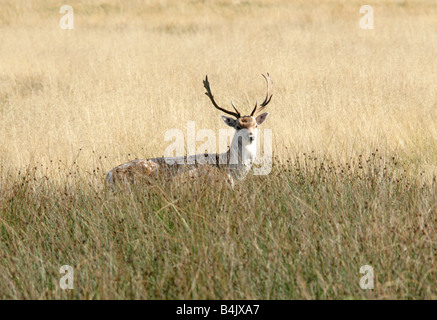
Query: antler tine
{"x":233,"y":106}
{"x":211,"y":97}
{"x":269,"y":92}
{"x":254,"y":109}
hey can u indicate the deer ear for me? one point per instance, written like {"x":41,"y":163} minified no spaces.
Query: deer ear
{"x":261,"y":118}
{"x":229,"y":121}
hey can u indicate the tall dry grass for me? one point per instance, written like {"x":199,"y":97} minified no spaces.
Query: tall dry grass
{"x":74,"y":104}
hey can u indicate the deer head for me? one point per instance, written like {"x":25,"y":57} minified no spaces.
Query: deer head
{"x":245,"y":126}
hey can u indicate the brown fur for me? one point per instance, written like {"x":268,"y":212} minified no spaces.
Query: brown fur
{"x":134,"y":170}
{"x":247,"y":122}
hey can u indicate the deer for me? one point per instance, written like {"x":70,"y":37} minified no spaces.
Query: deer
{"x":233,"y":165}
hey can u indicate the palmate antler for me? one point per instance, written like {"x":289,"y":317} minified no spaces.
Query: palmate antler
{"x":237,"y":113}
{"x":268,"y":96}
{"x":209,"y":94}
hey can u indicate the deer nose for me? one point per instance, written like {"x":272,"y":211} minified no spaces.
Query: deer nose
{"x":251,"y":138}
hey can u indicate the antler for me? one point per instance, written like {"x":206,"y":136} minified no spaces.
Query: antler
{"x":209,"y":94}
{"x":268,"y":96}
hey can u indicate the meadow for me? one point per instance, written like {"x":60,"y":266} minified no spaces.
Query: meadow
{"x":353,"y":117}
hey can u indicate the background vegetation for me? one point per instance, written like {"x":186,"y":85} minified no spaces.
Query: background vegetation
{"x":354,"y":123}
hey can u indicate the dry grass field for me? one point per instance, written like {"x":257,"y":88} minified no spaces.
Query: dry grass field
{"x":354,"y":120}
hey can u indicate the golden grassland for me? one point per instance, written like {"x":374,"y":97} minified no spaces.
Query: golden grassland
{"x":353,"y":115}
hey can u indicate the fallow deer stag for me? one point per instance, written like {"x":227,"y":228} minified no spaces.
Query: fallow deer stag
{"x":234,"y":164}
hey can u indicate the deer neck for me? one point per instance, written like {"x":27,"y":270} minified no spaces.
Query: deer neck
{"x":241,"y":156}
